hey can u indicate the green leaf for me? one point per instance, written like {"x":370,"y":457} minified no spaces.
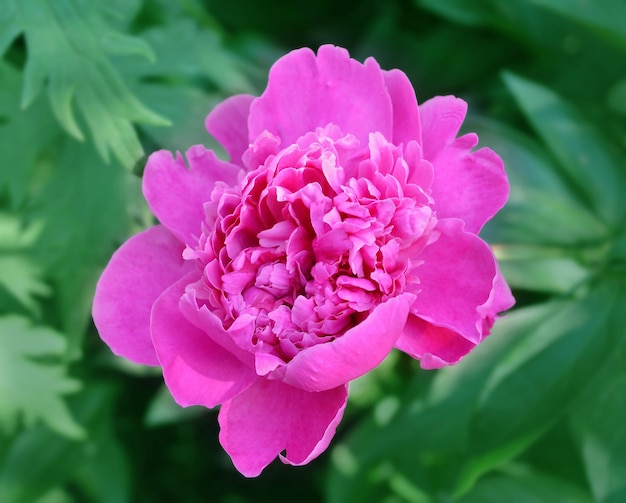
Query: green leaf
{"x":187,"y":108}
{"x":39,"y":462}
{"x":523,"y":486}
{"x":540,"y":269}
{"x":25,"y":136}
{"x":21,"y":277}
{"x":544,"y":367}
{"x":606,"y":17}
{"x":193,"y":53}
{"x":9,"y":30}
{"x":585,"y":156}
{"x":598,"y":421}
{"x":542,"y":209}
{"x":84,"y":220}
{"x":164,"y":410}
{"x":68,"y":43}
{"x":31,"y":388}
{"x":426,"y":440}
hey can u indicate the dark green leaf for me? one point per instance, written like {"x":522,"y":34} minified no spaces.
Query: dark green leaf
{"x":584,"y":155}
{"x":521,"y":486}
{"x":598,"y":421}
{"x":607,"y":17}
{"x":38,"y":461}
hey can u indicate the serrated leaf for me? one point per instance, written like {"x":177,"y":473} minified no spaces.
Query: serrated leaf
{"x":21,"y":277}
{"x":585,"y":157}
{"x":30,"y":388}
{"x":67,"y":45}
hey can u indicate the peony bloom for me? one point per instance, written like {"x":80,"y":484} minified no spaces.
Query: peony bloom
{"x":344,"y":225}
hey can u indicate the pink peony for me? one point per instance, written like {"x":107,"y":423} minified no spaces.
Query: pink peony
{"x":344,"y":225}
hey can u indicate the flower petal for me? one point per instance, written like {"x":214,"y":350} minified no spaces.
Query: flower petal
{"x":271,"y":417}
{"x":176,"y":194}
{"x":456,"y":280}
{"x":228,"y":123}
{"x":469,"y":185}
{"x":354,"y":353}
{"x":434,"y":346}
{"x":306,"y":92}
{"x":139,"y":271}
{"x":197,"y":371}
{"x":406,"y":119}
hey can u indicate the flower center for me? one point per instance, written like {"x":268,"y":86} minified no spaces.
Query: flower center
{"x":316,"y":235}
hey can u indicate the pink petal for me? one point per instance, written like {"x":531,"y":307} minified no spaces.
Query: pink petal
{"x":456,"y":279}
{"x":305,"y":92}
{"x":176,"y":194}
{"x":204,"y":319}
{"x":228,"y":123}
{"x":353,"y":354}
{"x":434,"y":346}
{"x":469,"y":185}
{"x":197,"y":371}
{"x":271,"y":417}
{"x":139,"y":271}
{"x":406,"y":120}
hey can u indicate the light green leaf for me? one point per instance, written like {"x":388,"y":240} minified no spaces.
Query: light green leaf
{"x":21,"y":277}
{"x":606,"y":17}
{"x":523,"y":486}
{"x":30,"y":388}
{"x":67,"y":44}
{"x":585,"y":156}
{"x":187,"y":51}
{"x":598,"y":421}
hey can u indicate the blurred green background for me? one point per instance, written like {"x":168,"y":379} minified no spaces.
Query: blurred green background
{"x":536,"y":414}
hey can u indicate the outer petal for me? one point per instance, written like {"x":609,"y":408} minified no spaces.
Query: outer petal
{"x":406,"y":120}
{"x":271,"y":417}
{"x":456,"y":279}
{"x":305,"y":92}
{"x":469,"y":185}
{"x":228,"y":123}
{"x":176,"y":194}
{"x":434,"y":346}
{"x":196,"y":370}
{"x":139,"y":271}
{"x":355,"y":353}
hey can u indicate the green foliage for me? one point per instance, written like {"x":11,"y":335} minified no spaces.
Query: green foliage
{"x":68,"y":42}
{"x":30,"y":388}
{"x":534,"y":414}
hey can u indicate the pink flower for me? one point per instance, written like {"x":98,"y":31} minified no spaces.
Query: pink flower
{"x":344,"y":225}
